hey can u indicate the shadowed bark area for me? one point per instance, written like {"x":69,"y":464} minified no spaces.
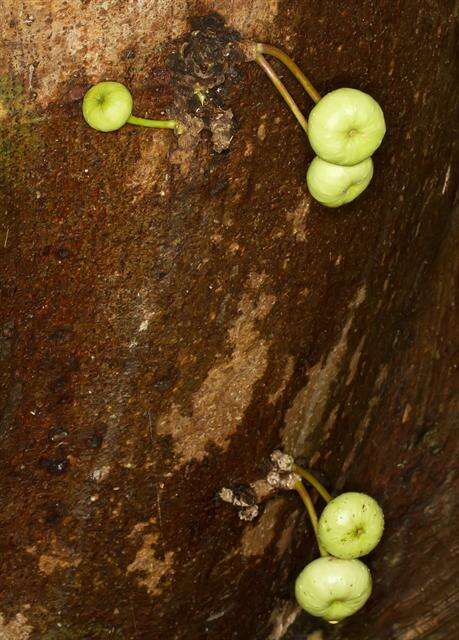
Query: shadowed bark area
{"x":174,"y":309}
{"x":404,"y":452}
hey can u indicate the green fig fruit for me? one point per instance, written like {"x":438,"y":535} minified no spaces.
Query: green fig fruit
{"x":332,"y":588}
{"x":351,"y":525}
{"x":346,"y":126}
{"x":107,"y":106}
{"x":334,"y":185}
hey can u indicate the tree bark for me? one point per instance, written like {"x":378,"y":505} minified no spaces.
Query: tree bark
{"x":174,"y":309}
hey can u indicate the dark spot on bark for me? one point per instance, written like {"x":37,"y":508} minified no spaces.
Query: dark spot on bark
{"x":62,"y":253}
{"x":76,"y":93}
{"x":96,"y":438}
{"x":6,"y":339}
{"x":73,"y":363}
{"x":166,"y":379}
{"x":11,"y":402}
{"x":7,"y":330}
{"x":54,"y":512}
{"x":55,"y":466}
{"x":59,"y":383}
{"x":407,"y":476}
{"x":61,"y":333}
{"x":128,"y":54}
{"x":162,"y":384}
{"x":205,"y":65}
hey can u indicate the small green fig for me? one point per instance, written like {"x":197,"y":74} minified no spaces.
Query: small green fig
{"x":346,"y":126}
{"x":107,"y":106}
{"x":334,"y":185}
{"x":351,"y":525}
{"x":332,"y":588}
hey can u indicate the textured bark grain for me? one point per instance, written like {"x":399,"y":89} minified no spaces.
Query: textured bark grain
{"x":172,"y":313}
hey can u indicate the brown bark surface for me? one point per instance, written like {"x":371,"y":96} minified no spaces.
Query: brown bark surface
{"x":172,"y":312}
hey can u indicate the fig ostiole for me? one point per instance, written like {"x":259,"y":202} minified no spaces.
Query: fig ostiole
{"x":346,"y":126}
{"x":332,"y":588}
{"x":334,"y":185}
{"x":351,"y":525}
{"x":107,"y":106}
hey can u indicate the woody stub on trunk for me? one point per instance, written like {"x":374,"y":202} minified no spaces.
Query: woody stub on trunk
{"x":173,"y":309}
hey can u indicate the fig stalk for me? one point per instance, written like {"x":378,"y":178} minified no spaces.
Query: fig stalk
{"x":306,"y":498}
{"x":269,"y":49}
{"x":156,"y":124}
{"x":277,"y":82}
{"x":307,"y":475}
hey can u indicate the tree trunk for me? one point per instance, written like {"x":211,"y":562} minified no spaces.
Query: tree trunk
{"x":175,"y":309}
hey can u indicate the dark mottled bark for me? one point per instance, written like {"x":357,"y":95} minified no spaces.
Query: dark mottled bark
{"x":171,"y":313}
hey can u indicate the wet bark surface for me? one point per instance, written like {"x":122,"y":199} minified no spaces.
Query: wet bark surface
{"x":172,"y":310}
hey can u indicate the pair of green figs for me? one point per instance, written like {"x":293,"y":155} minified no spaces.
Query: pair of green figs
{"x":338,"y":584}
{"x":345,"y":128}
